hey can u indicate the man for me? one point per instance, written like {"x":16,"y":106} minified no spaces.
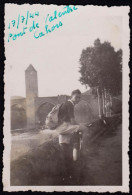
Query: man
{"x":67,"y":126}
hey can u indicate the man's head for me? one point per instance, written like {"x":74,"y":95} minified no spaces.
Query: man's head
{"x":76,"y":96}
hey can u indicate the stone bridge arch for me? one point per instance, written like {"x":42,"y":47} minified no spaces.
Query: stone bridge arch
{"x":41,"y":100}
{"x":18,"y":116}
{"x":21,"y":102}
{"x":42,"y":112}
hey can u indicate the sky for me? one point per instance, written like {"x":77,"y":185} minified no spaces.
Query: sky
{"x":56,"y":55}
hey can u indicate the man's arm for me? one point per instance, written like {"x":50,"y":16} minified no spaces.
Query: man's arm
{"x":82,"y":126}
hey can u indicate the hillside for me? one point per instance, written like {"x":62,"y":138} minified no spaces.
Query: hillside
{"x":100,"y":162}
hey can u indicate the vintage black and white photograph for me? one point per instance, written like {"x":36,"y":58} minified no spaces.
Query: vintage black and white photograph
{"x":66,"y":98}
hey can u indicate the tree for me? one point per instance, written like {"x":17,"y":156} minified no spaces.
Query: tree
{"x":101,"y":68}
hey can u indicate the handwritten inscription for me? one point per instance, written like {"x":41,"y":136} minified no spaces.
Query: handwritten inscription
{"x":51,"y":23}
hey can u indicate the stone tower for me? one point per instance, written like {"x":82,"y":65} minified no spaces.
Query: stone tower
{"x":31,"y":81}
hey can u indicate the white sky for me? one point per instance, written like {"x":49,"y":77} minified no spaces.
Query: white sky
{"x":56,"y":55}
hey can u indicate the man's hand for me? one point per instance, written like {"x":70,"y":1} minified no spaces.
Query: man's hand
{"x":82,"y":126}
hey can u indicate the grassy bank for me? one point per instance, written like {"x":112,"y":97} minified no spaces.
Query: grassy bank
{"x":100,"y":162}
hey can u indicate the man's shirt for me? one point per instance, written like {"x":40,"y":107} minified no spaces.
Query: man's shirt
{"x":66,"y":112}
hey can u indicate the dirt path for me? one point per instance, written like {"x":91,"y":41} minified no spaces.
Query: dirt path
{"x":103,"y":160}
